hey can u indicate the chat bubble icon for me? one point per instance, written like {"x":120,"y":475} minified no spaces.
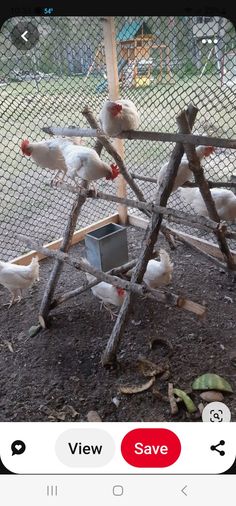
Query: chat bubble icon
{"x":18,"y":447}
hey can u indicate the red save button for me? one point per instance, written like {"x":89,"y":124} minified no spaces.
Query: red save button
{"x":151,"y":447}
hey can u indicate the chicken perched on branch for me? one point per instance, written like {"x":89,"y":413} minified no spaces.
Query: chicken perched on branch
{"x":108,"y":294}
{"x":118,"y":116}
{"x":184,"y":173}
{"x":85,"y":163}
{"x":158,"y":272}
{"x":48,"y":155}
{"x":225,"y":202}
{"x":17,"y":277}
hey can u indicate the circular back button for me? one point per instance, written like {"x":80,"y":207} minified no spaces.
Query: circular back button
{"x":24,"y":35}
{"x":150,"y":447}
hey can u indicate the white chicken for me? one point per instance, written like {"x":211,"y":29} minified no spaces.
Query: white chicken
{"x":84,"y":162}
{"x":47,"y":154}
{"x":159,"y":273}
{"x":118,"y":116}
{"x":107,"y":293}
{"x":225,"y":202}
{"x":184,"y":173}
{"x":17,"y":277}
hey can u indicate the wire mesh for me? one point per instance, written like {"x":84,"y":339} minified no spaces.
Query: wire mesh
{"x":164,"y":63}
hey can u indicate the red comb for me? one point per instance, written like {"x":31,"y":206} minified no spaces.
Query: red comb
{"x":115,"y":109}
{"x":24,"y":146}
{"x":209,"y":150}
{"x":115,"y":171}
{"x":120,"y":291}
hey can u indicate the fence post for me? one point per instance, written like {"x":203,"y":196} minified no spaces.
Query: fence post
{"x":113,"y":87}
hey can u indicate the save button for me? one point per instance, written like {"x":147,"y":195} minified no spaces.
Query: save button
{"x":150,"y":447}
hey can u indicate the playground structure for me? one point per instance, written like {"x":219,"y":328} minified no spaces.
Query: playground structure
{"x":136,"y":62}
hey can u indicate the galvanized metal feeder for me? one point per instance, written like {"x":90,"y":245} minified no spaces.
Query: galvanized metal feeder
{"x":107,"y":247}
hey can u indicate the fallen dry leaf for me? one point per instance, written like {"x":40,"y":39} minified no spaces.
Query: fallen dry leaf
{"x":149,"y":368}
{"x":135,"y":389}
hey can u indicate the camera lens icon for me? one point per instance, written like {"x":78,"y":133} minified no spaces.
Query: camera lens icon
{"x":216,"y":412}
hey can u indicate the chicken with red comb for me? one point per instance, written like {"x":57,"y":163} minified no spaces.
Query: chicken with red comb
{"x":85,"y":163}
{"x":47,"y":154}
{"x":184,"y":173}
{"x":118,"y":116}
{"x":109,"y":295}
{"x":25,"y":147}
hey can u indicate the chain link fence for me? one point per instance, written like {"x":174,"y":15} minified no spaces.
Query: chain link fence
{"x":164,"y":63}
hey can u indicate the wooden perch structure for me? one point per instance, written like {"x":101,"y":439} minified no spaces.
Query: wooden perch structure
{"x":142,"y":290}
{"x":156,"y":211}
{"x":192,"y":139}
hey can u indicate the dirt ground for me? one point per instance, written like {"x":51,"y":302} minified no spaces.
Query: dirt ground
{"x":57,"y":375}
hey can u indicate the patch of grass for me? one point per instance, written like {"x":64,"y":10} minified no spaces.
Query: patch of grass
{"x":26,"y":108}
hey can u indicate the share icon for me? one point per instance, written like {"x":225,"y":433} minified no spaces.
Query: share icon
{"x":215,"y":448}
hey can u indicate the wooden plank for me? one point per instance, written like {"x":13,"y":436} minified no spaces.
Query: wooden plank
{"x":136,"y":221}
{"x":113,"y":87}
{"x":77,"y":237}
{"x":207,"y":246}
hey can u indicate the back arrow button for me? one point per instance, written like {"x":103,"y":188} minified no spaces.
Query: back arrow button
{"x":184,"y":490}
{"x":23,"y":36}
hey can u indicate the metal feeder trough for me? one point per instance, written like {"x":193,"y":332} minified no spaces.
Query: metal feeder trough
{"x":107,"y":247}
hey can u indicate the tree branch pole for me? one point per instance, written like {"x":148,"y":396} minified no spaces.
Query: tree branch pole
{"x":57,"y":268}
{"x":189,"y":184}
{"x":192,"y":139}
{"x":195,"y":166}
{"x":130,"y":286}
{"x":162,"y":196}
{"x":169,"y":213}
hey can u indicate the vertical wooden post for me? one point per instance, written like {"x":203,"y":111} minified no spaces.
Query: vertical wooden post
{"x":161,"y":64}
{"x":113,"y":87}
{"x":168,"y":69}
